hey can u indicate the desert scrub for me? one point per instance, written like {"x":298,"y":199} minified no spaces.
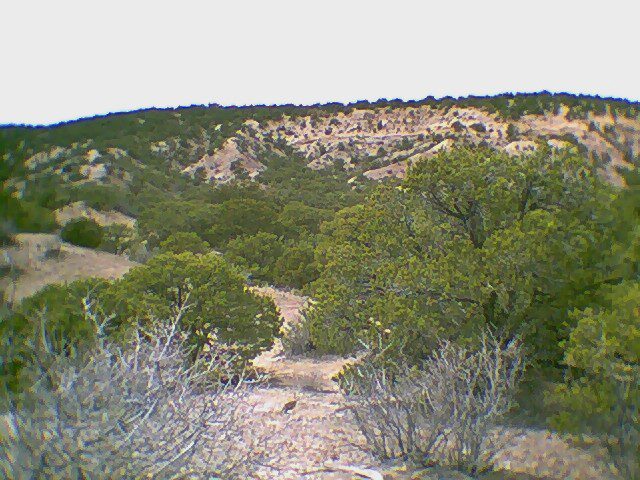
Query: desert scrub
{"x":441,"y":411}
{"x":139,"y":410}
{"x":296,"y":338}
{"x":222,"y":309}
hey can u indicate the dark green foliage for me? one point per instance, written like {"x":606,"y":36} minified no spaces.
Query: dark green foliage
{"x":601,"y":391}
{"x":478,"y":127}
{"x":512,"y":132}
{"x":58,"y":312}
{"x":236,"y":217}
{"x":185,"y":242}
{"x":61,"y":307}
{"x":15,"y":355}
{"x":215,"y":305}
{"x":290,"y":181}
{"x":83,"y":232}
{"x":118,"y":239}
{"x":216,"y":194}
{"x":220,"y":307}
{"x":100,"y":197}
{"x":19,"y":216}
{"x":254,"y":227}
{"x":298,"y":219}
{"x":601,"y":394}
{"x":159,"y":220}
{"x":256,"y":254}
{"x":296,"y":267}
{"x":472,"y":238}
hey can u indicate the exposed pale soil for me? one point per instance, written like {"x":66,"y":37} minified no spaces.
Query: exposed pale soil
{"x":80,"y":210}
{"x":377,"y":142}
{"x":40,"y":259}
{"x":320,"y":433}
{"x":383,"y":142}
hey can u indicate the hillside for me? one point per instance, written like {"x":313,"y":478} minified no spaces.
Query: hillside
{"x":218,"y":144}
{"x":410,"y":290}
{"x":383,"y":142}
{"x":38,"y":260}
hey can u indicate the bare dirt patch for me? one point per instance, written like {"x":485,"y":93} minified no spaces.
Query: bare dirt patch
{"x":41,"y":259}
{"x":319,"y":435}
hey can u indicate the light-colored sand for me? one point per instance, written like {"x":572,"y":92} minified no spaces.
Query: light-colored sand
{"x":42,"y":259}
{"x":320,"y":432}
{"x":80,"y":210}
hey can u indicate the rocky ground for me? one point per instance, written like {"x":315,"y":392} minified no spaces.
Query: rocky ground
{"x":384,"y":142}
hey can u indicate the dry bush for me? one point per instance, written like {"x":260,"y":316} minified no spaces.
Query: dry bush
{"x":441,"y":412}
{"x":145,"y":410}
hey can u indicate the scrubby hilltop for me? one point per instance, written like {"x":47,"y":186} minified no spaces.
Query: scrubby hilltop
{"x":158,"y":167}
{"x":378,"y":140}
{"x":382,"y":141}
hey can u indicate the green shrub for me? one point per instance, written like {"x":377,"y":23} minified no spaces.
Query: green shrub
{"x":185,"y":242}
{"x":19,"y":216}
{"x":214,"y":303}
{"x":257,"y":254}
{"x":118,"y":239}
{"x":237,"y":217}
{"x":58,"y":310}
{"x":159,"y":220}
{"x":602,"y":393}
{"x":83,"y":232}
{"x":296,"y":267}
{"x":473,"y":237}
{"x":478,"y":127}
{"x":298,"y":219}
{"x":123,"y":411}
{"x":217,"y":305}
{"x":100,"y":197}
{"x":512,"y":133}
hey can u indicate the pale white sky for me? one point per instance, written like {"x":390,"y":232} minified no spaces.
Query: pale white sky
{"x":67,"y":59}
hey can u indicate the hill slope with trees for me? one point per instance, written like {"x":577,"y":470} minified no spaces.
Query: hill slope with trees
{"x":476,"y":258}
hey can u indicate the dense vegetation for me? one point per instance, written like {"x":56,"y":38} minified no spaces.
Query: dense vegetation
{"x":536,"y":249}
{"x":83,"y":232}
{"x":471,"y":238}
{"x":207,"y":294}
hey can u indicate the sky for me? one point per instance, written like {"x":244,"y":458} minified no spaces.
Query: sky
{"x":62,"y":60}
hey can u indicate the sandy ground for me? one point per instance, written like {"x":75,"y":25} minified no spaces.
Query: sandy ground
{"x":42,"y":259}
{"x":320,"y":432}
{"x":80,"y":210}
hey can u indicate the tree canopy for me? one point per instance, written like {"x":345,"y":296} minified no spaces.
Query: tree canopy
{"x":471,"y":238}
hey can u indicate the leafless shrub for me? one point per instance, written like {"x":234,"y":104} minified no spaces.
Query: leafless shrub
{"x":440,"y":412}
{"x":143,"y":411}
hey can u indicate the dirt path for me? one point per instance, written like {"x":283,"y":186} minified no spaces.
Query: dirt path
{"x":298,"y":372}
{"x":319,"y":432}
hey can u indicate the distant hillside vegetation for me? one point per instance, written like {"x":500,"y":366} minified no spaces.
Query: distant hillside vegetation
{"x":324,"y":156}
